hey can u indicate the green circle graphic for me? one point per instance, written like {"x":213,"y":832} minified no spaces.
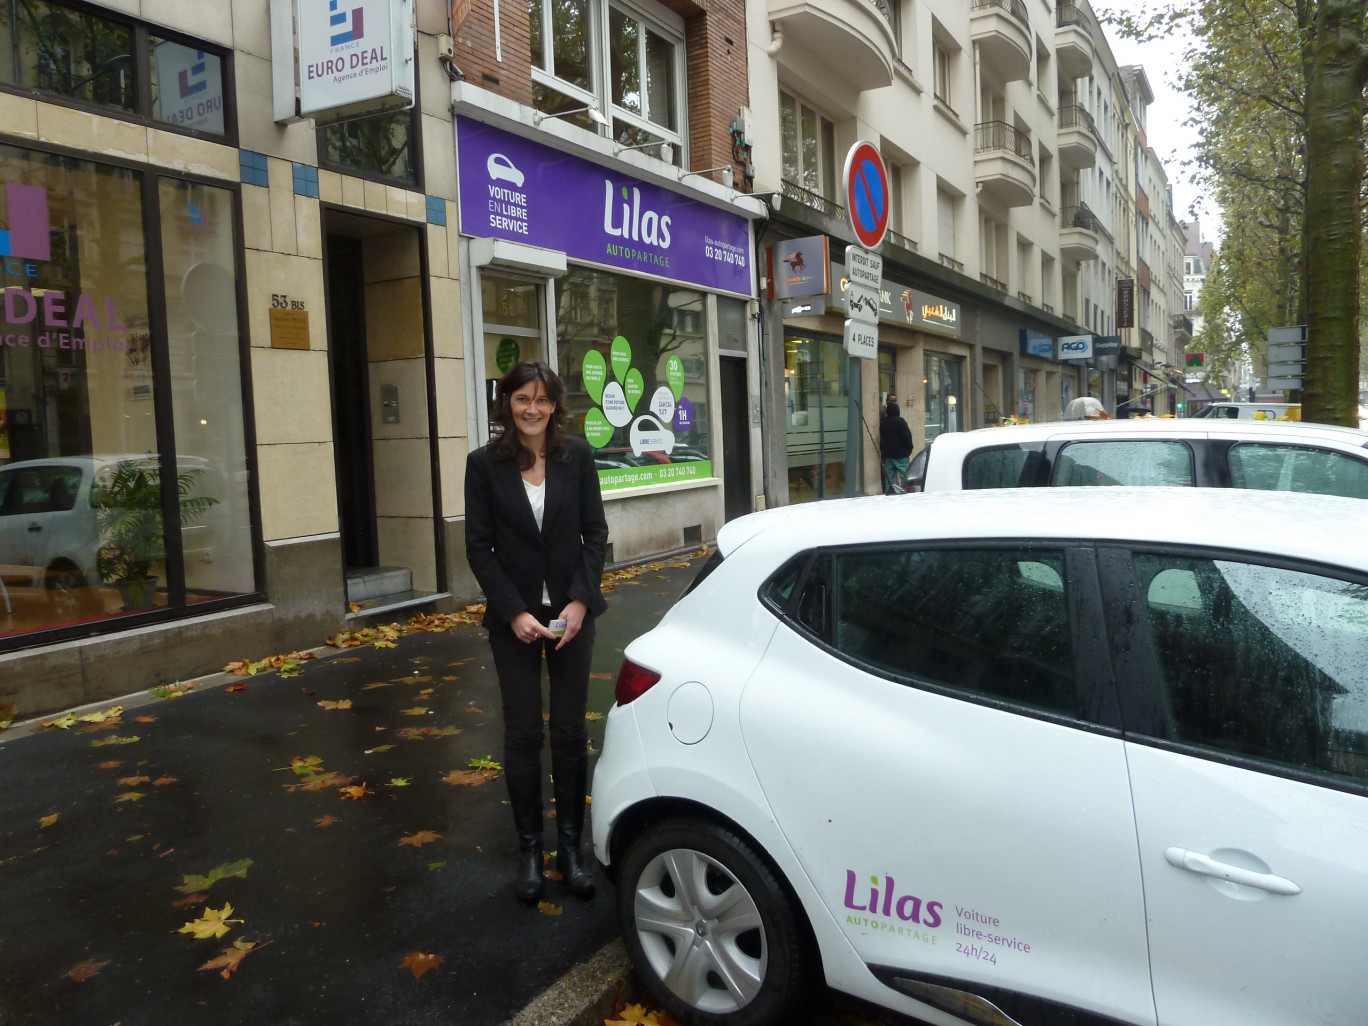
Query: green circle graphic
{"x":621,"y":354}
{"x":634,"y":387}
{"x":594,"y":372}
{"x":507,"y":354}
{"x":674,"y":374}
{"x":597,"y":429}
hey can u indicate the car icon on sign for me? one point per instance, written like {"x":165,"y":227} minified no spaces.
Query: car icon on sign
{"x":644,"y":440}
{"x":500,"y":168}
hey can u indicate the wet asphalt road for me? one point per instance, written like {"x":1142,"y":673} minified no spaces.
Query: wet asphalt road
{"x":339,"y":891}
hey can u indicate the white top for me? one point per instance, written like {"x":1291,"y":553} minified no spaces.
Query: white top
{"x":536,"y":497}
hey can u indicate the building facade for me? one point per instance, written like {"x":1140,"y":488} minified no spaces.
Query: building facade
{"x":1020,"y":194}
{"x":252,"y":323}
{"x":264,"y":264}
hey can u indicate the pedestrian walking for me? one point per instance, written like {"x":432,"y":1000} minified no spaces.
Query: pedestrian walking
{"x":895,"y":447}
{"x":535,"y":538}
{"x":1086,"y":408}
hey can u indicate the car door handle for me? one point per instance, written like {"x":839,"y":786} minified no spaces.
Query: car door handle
{"x":35,"y":527}
{"x":1196,"y":862}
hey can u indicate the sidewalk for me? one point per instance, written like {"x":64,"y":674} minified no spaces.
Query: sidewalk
{"x":115,"y":835}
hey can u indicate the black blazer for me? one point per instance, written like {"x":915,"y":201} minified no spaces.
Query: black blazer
{"x":511,"y":558}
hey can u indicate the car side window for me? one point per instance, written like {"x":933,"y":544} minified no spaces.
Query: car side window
{"x":993,"y":622}
{"x":1146,"y":463}
{"x":1260,"y":661}
{"x":999,"y":467}
{"x":1294,"y":468}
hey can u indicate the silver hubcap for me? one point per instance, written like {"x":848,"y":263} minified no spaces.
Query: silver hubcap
{"x":700,"y":930}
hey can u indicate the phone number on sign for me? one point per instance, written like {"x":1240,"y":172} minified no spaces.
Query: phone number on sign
{"x":725,"y":256}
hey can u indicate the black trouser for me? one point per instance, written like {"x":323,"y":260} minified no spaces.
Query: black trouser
{"x":518,"y":665}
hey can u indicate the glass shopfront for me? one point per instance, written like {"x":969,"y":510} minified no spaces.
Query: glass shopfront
{"x":817,"y":397}
{"x":633,"y":355}
{"x":944,"y":382}
{"x":123,"y":472}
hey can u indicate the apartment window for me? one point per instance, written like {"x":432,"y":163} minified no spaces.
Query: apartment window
{"x":941,"y":59}
{"x":74,"y":54}
{"x":895,"y":197}
{"x":945,"y":223}
{"x":1188,"y":303}
{"x":628,"y":61}
{"x":808,"y":141}
{"x":380,"y":146}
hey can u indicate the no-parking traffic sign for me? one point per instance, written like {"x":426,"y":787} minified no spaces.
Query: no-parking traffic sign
{"x":867,"y":194}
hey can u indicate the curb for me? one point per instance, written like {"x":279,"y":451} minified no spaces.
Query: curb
{"x":585,"y":996}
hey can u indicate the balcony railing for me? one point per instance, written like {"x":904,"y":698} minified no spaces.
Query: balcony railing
{"x":1073,"y":116}
{"x":1080,"y":217}
{"x":1016,"y":8}
{"x":991,"y":136}
{"x":992,"y":282}
{"x":1182,"y":323}
{"x":889,"y":13}
{"x":1047,"y":307}
{"x":1025,"y":297}
{"x":899,"y":239}
{"x":808,"y":198}
{"x":951,"y":262}
{"x":1067,"y":15}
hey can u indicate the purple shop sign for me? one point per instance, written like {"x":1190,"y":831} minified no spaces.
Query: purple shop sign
{"x":515,"y":189}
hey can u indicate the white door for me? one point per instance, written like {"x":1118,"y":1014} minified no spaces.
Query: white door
{"x":1253,"y":825}
{"x":990,"y":847}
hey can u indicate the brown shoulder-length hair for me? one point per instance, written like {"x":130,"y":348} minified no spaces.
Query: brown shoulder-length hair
{"x":507,"y":444}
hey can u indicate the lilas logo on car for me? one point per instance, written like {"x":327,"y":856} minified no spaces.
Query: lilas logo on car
{"x":882,"y":898}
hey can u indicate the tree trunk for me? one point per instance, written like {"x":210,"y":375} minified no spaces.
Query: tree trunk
{"x":1334,"y":173}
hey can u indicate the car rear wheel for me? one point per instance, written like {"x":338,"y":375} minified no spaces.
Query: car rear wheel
{"x":710,"y":928}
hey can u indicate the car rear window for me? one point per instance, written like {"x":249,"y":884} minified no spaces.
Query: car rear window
{"x":1003,"y":467}
{"x":1292,"y":468}
{"x":990,"y":622}
{"x":1120,"y":462}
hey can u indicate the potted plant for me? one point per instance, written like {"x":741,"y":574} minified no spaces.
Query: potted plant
{"x":127,"y":500}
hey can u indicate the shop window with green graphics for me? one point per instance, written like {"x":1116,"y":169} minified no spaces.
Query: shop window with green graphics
{"x":123,"y":471}
{"x":512,"y":329}
{"x":816,"y":393}
{"x":68,"y":52}
{"x":944,"y":380}
{"x":634,"y":357}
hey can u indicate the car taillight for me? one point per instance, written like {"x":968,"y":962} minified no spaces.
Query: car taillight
{"x":633,"y":682}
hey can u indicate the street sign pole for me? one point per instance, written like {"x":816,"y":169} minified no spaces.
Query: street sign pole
{"x":868,"y":204}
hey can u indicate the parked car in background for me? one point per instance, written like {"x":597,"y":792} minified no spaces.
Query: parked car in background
{"x":1250,"y":411}
{"x":1283,"y":456}
{"x":1049,"y":761}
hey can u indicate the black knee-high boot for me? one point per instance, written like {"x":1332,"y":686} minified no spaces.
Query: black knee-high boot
{"x":524,"y":794}
{"x":570,"y":774}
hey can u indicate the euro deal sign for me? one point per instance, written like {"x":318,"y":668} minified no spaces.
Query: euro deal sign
{"x":515,"y":189}
{"x":355,"y":57}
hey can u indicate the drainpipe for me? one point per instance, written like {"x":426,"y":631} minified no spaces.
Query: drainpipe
{"x":776,"y":38}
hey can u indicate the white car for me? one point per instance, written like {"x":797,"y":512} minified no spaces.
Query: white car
{"x":1090,"y":755}
{"x":1285,"y":456}
{"x":1250,"y":411}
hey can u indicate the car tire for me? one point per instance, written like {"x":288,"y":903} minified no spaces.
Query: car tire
{"x":711,"y":930}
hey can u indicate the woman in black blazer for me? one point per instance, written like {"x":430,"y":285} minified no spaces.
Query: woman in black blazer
{"x":535,"y":538}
